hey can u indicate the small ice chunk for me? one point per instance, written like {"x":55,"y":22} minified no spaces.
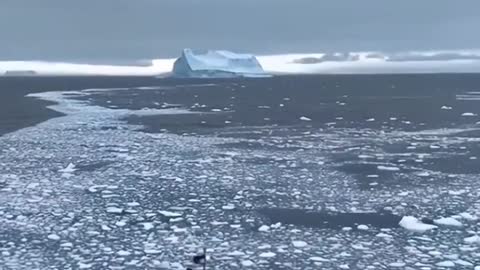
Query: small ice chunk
{"x":448,"y":222}
{"x":446,"y":108}
{"x":318,"y":259}
{"x":268,"y":254}
{"x":247,"y":263}
{"x":446,"y":264}
{"x":121,"y":223}
{"x":53,"y":237}
{"x":228,"y":207}
{"x":169,"y":214}
{"x":464,"y":263}
{"x":276,"y":225}
{"x":123,"y":253}
{"x":236,"y":253}
{"x":304,"y":118}
{"x":299,"y":244}
{"x":383,"y":235}
{"x":362,"y":227}
{"x":69,"y":169}
{"x":148,"y":226}
{"x":264,"y":228}
{"x":84,"y":265}
{"x":469,"y":114}
{"x":397,"y":264}
{"x":475,"y":239}
{"x":468,"y":216}
{"x":114,"y":210}
{"x":370,"y":119}
{"x":388,"y":168}
{"x":413,"y":224}
{"x":152,"y":251}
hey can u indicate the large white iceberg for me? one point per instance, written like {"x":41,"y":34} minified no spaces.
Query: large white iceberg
{"x":209,"y":63}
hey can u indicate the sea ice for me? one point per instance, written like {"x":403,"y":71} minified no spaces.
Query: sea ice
{"x":413,"y":224}
{"x":448,"y":222}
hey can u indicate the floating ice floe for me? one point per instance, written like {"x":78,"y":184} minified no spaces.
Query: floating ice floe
{"x":268,"y":254}
{"x":362,"y":227}
{"x":397,"y":264}
{"x":264,"y":228}
{"x":448,"y":222}
{"x":413,"y":224}
{"x":53,"y":237}
{"x":69,"y":169}
{"x":469,"y":114}
{"x":299,"y":244}
{"x":468,"y":216}
{"x":475,"y":239}
{"x":388,"y":168}
{"x":114,"y":210}
{"x":446,"y":264}
{"x":304,"y":118}
{"x":169,"y":214}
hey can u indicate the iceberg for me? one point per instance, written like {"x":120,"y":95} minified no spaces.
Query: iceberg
{"x":216,"y":64}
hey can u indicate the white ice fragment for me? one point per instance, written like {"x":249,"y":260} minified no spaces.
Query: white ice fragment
{"x":69,"y":169}
{"x":446,"y":264}
{"x":53,"y":237}
{"x":265,"y":246}
{"x":318,"y":259}
{"x":152,"y":251}
{"x":383,"y":235}
{"x":114,"y":210}
{"x":148,"y":226}
{"x":446,"y":108}
{"x":448,"y":222}
{"x":123,"y":253}
{"x":121,"y":223}
{"x":236,"y":253}
{"x":475,"y":239}
{"x":468,"y":216}
{"x":463,"y":263}
{"x":344,"y":266}
{"x":264,"y":228}
{"x":169,"y":214}
{"x":299,"y":244}
{"x":276,"y":225}
{"x":362,"y":227}
{"x":370,"y":120}
{"x":469,"y":114}
{"x":413,"y":224}
{"x":228,"y":207}
{"x":268,"y":254}
{"x":84,"y":265}
{"x":304,"y":118}
{"x":133,"y":204}
{"x":388,"y":168}
{"x":397,"y":264}
{"x":247,"y":263}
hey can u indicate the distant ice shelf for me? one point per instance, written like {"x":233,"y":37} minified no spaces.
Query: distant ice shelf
{"x":216,"y":64}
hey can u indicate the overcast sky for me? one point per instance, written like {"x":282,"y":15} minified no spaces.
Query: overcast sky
{"x":136,"y":29}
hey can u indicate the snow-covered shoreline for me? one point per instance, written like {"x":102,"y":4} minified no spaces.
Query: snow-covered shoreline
{"x":461,"y":61}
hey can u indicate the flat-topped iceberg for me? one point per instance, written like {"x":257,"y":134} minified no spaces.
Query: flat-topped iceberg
{"x":210,"y":63}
